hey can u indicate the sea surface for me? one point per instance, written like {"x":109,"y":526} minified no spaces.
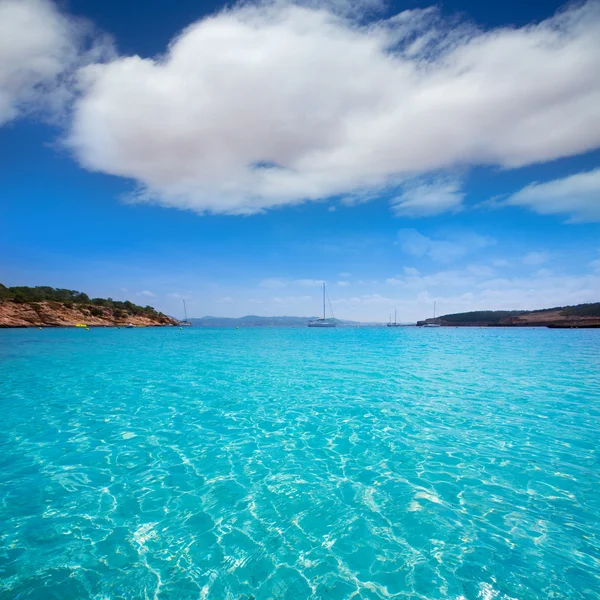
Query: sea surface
{"x":300,"y":463}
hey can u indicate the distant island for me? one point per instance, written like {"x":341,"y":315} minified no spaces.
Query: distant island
{"x":44,"y":306}
{"x":570,"y":317}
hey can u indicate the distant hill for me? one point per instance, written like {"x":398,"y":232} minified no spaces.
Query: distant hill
{"x":45,"y":306}
{"x":256,"y":321}
{"x":581,"y":315}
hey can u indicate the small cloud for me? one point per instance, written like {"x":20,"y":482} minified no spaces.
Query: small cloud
{"x":291,"y":299}
{"x":491,"y":203}
{"x":308,"y":282}
{"x":480,"y":270}
{"x":225,"y":300}
{"x":332,"y":209}
{"x":147,"y":294}
{"x":282,"y":282}
{"x":411,"y":271}
{"x":427,"y":199}
{"x":254,"y":301}
{"x":595,"y":264}
{"x":414,"y":243}
{"x":273,"y":283}
{"x":343,"y":283}
{"x":577,"y":195}
{"x":344,"y":275}
{"x":501,"y":263}
{"x":533,"y":259}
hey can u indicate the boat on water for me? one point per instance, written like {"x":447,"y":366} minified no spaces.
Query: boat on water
{"x":185,"y":322}
{"x":324,"y":322}
{"x":432,"y":324}
{"x":395,"y":323}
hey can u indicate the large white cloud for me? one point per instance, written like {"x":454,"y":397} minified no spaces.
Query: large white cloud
{"x":40,"y":49}
{"x":260,"y":106}
{"x":577,"y":195}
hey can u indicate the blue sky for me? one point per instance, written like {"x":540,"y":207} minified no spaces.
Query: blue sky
{"x":404,"y":153}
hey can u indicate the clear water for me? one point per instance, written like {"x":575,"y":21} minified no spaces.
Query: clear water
{"x":301,"y":463}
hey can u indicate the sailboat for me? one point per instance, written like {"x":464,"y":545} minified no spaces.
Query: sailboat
{"x":395,"y":323}
{"x":432,"y":324}
{"x":324,"y":322}
{"x":185,"y":322}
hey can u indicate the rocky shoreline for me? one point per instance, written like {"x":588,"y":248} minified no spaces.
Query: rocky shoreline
{"x":559,"y":318}
{"x":57,"y":314}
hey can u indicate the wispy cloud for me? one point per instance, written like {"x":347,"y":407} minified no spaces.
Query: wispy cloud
{"x":577,"y":196}
{"x":147,"y":294}
{"x":414,"y":243}
{"x":283,"y":282}
{"x":534,"y":259}
{"x":424,"y":199}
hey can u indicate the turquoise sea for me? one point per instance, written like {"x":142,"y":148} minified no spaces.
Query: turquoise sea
{"x":300,"y":463}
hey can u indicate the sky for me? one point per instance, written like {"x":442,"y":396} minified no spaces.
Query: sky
{"x":238,"y":155}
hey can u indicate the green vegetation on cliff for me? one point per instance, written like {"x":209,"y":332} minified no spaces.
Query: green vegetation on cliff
{"x":582,"y":310}
{"x":481,"y":316}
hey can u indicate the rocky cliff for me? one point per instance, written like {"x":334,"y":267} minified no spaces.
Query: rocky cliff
{"x":57,"y":314}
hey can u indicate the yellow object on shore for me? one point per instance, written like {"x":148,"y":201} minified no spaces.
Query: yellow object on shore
{"x":81,"y":325}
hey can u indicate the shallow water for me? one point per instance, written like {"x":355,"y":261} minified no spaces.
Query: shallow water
{"x":300,"y":463}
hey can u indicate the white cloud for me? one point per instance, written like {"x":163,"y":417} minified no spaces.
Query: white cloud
{"x":411,"y":271}
{"x":480,"y":270}
{"x":282,"y":282}
{"x":308,"y":282}
{"x":273,"y":104}
{"x":147,"y":294}
{"x":291,"y":299}
{"x":577,"y":195}
{"x":416,"y":244}
{"x":273,"y":282}
{"x":343,"y":283}
{"x":40,"y":48}
{"x":225,"y":300}
{"x":595,"y":265}
{"x":344,"y":275}
{"x":501,"y":263}
{"x":534,"y":259}
{"x":424,"y":199}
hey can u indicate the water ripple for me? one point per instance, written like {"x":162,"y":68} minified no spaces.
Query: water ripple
{"x":258,"y":464}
